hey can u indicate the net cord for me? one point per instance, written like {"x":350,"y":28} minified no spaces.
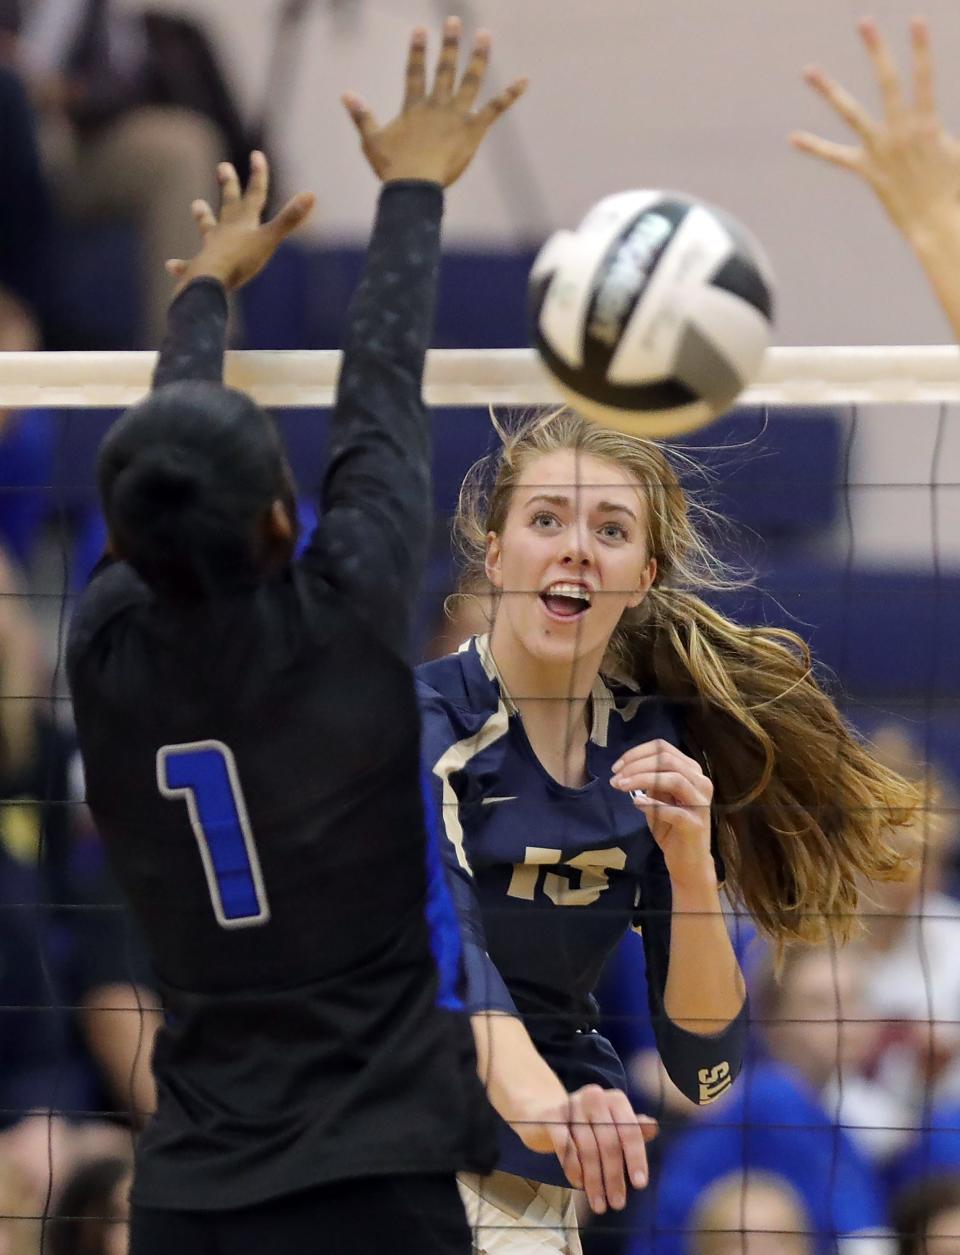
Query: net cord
{"x":806,"y":376}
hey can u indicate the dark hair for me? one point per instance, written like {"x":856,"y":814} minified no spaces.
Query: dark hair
{"x":915,"y":1209}
{"x":186,"y":476}
{"x":85,"y":1208}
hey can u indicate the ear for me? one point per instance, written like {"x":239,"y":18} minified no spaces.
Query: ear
{"x":493,"y":561}
{"x":645,"y":584}
{"x":279,"y":525}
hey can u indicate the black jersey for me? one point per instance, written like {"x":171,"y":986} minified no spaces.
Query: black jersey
{"x":253,"y":765}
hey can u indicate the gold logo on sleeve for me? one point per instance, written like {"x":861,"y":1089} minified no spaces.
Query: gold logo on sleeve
{"x":714,"y":1082}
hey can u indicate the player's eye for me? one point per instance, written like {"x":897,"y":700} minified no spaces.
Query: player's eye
{"x":544,"y":520}
{"x":614,"y":531}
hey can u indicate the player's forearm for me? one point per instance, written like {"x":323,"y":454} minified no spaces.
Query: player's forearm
{"x":936,"y":242}
{"x":399,"y":278}
{"x":518,"y":1080}
{"x":705,"y":989}
{"x":120,"y":1022}
{"x":196,"y":338}
{"x":379,"y":463}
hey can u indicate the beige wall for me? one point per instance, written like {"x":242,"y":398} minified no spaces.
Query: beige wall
{"x":692,"y":94}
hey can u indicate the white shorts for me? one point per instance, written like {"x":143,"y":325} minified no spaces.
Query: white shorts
{"x":510,"y":1216}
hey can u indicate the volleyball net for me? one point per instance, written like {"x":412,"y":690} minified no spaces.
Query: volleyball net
{"x":816,"y":375}
{"x":841,"y":466}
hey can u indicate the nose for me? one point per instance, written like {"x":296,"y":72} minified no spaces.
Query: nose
{"x":576,"y":548}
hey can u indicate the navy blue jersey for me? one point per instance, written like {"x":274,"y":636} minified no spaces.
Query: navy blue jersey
{"x":252,"y":763}
{"x":549,"y":878}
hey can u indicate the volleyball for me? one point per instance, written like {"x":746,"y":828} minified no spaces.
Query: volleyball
{"x":654,"y":314}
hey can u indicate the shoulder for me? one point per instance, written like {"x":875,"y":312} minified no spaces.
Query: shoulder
{"x":458,"y":702}
{"x":442,"y":680}
{"x":113,"y":589}
{"x":459,"y":684}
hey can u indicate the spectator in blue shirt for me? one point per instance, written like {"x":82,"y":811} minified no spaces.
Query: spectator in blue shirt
{"x":776,"y":1120}
{"x":751,"y":1213}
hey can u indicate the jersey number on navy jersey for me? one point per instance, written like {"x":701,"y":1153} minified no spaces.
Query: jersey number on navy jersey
{"x":204,"y":775}
{"x":592,"y":867}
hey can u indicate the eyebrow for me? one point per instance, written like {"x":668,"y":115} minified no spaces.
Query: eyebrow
{"x":603,"y":507}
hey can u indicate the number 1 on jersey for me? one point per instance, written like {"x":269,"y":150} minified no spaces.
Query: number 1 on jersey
{"x":204,"y":775}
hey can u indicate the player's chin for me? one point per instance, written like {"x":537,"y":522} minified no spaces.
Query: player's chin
{"x":566,"y":642}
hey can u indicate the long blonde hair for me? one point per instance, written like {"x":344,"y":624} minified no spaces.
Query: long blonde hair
{"x":802,"y":807}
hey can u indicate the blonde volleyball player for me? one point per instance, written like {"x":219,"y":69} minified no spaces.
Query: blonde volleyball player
{"x":601,"y":757}
{"x":910,"y":161}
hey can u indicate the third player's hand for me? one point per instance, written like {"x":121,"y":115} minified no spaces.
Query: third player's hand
{"x":905,"y":155}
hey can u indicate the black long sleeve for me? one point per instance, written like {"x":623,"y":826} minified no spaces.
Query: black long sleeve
{"x":374,"y":532}
{"x":196,"y":338}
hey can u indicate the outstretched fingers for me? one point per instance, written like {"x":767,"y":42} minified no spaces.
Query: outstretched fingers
{"x":499,"y":105}
{"x":840,"y":100}
{"x":203,"y":216}
{"x":258,"y":185}
{"x":476,"y":71}
{"x":449,"y":57}
{"x":923,"y":77}
{"x":416,"y":77}
{"x":885,"y":68}
{"x":846,"y":156}
{"x":360,"y":115}
{"x":229,"y":180}
{"x":292,"y":216}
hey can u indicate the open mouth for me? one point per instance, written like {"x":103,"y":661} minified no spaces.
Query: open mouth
{"x":566,"y":601}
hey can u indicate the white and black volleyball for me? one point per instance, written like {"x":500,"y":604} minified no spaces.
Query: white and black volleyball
{"x":655,"y":314}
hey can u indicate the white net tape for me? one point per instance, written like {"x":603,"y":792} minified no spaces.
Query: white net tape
{"x":816,"y":375}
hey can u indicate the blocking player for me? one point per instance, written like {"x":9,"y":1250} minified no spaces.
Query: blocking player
{"x":316,"y":1077}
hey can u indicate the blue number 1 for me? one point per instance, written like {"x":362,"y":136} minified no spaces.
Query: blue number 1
{"x":204,"y":775}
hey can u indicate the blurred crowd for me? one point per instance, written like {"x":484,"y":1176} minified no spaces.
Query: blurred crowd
{"x":844,"y":1130}
{"x":112,"y":117}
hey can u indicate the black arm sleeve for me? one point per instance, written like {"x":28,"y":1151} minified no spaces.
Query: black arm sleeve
{"x":374,"y":532}
{"x":703,"y":1066}
{"x":196,"y":338}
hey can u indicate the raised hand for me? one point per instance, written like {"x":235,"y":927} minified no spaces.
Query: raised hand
{"x":675,"y":797}
{"x":906,"y":156}
{"x":436,"y":134}
{"x":237,"y":245}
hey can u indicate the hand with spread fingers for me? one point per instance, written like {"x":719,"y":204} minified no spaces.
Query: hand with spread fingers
{"x":437,"y":132}
{"x":910,"y":161}
{"x":675,"y":796}
{"x":905,"y":155}
{"x":237,"y":245}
